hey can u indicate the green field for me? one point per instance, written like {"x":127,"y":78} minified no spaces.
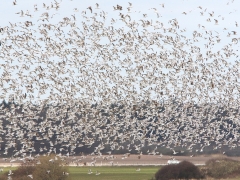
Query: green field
{"x":113,"y":173}
{"x":110,"y":173}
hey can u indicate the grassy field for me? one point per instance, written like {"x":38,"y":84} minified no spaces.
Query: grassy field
{"x":109,"y":173}
{"x":113,"y":173}
{"x":6,"y":169}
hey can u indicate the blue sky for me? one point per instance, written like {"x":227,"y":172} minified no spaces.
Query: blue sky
{"x":191,"y":14}
{"x":172,"y":9}
{"x":226,"y":12}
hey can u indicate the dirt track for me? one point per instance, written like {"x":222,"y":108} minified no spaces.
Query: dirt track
{"x":120,"y":160}
{"x":150,"y":160}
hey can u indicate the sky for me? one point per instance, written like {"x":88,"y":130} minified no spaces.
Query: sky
{"x":191,"y":14}
{"x":172,"y":9}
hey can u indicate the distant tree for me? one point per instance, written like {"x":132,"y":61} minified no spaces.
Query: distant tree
{"x":188,"y":170}
{"x":50,"y":168}
{"x":25,"y":170}
{"x":183,"y":170}
{"x":223,"y":168}
{"x":43,"y":168}
{"x":22,"y":172}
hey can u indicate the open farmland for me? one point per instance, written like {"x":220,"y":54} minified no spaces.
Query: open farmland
{"x":114,"y":90}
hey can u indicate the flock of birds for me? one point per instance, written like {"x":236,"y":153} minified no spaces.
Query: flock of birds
{"x":107,"y":85}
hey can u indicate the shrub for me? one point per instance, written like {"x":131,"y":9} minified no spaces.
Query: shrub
{"x":50,"y":168}
{"x":223,"y":168}
{"x":183,"y":170}
{"x":26,"y":168}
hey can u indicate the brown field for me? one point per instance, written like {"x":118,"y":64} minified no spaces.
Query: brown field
{"x":132,"y":160}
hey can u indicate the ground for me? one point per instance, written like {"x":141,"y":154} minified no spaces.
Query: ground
{"x":123,"y":168}
{"x":109,"y":173}
{"x":114,"y":173}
